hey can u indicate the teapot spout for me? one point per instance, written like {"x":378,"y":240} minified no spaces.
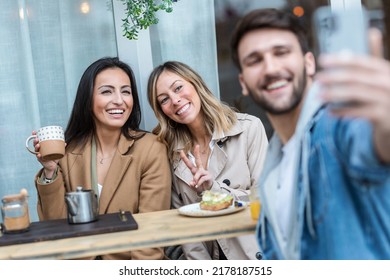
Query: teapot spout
{"x":72,"y":206}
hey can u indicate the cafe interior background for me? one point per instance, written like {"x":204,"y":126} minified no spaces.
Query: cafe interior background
{"x":45,"y":45}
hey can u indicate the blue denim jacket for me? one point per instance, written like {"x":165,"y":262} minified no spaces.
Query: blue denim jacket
{"x":342,"y":199}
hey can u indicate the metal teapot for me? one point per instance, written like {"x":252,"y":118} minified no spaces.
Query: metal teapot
{"x":82,"y":206}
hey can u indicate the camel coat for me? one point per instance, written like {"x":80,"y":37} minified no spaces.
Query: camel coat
{"x":138,"y":180}
{"x":236,"y":163}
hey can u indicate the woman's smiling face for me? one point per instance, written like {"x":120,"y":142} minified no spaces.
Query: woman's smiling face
{"x":112,"y":98}
{"x":177,"y":98}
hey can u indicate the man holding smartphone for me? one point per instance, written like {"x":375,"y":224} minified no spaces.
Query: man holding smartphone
{"x":325,"y":187}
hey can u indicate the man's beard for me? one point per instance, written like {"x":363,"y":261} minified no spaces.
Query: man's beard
{"x":294,"y":101}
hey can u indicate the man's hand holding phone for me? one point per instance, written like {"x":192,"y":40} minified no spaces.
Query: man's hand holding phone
{"x":362,"y":84}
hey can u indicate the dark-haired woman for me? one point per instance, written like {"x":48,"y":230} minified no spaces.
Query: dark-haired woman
{"x":107,"y":152}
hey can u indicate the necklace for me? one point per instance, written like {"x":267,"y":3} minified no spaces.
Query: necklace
{"x":204,"y":155}
{"x":101,"y":159}
{"x":205,"y":151}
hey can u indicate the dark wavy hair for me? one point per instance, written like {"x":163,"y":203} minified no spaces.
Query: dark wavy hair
{"x":267,"y":18}
{"x":81,"y":123}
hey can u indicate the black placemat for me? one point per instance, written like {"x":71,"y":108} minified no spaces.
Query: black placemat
{"x":57,"y":229}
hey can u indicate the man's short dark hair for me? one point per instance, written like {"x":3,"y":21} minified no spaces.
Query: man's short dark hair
{"x":267,"y":18}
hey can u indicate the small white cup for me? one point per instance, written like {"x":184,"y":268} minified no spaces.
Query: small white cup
{"x":51,"y":140}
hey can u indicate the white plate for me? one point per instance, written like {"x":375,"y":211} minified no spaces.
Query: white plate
{"x":193,"y":210}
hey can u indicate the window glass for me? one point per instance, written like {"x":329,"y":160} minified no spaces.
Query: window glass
{"x":227,"y":13}
{"x":45,"y":46}
{"x":188,"y":35}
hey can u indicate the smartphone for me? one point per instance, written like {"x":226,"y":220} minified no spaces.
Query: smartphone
{"x":341,"y":30}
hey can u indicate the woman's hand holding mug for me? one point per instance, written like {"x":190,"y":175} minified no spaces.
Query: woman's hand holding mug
{"x":49,"y":147}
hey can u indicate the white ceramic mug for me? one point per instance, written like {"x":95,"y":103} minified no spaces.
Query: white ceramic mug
{"x":51,"y":140}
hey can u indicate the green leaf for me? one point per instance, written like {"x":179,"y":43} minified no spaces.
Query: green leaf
{"x":140,"y":14}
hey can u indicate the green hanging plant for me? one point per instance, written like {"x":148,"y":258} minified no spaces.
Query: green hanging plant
{"x":140,"y":14}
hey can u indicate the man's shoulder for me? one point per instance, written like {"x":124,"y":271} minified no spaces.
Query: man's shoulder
{"x":325,"y":123}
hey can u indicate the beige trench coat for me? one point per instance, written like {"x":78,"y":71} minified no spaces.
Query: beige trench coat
{"x":139,"y":180}
{"x":236,"y":163}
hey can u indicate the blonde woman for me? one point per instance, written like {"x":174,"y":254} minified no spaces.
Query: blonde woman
{"x":210,"y":147}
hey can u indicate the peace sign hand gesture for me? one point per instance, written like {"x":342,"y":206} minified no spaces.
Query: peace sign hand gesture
{"x":202,"y":179}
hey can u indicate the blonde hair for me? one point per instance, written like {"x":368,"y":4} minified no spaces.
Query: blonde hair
{"x":218,"y":116}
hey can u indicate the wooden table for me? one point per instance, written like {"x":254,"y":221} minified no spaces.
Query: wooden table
{"x":155,"y":229}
